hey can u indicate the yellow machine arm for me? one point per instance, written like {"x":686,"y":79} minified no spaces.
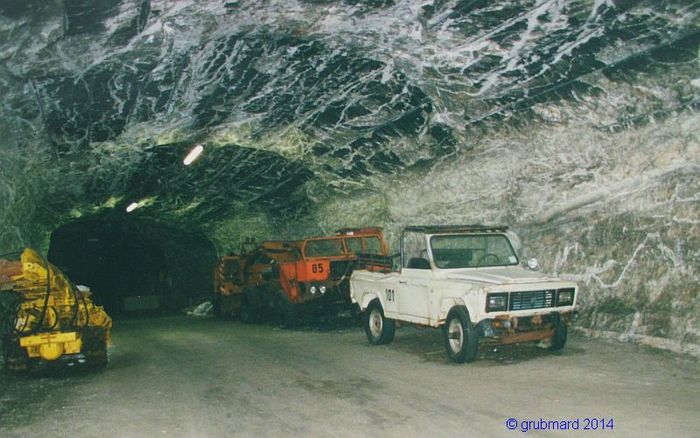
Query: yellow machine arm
{"x":54,"y":318}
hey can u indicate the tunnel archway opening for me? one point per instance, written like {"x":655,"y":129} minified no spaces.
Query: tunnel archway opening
{"x":135,"y":266}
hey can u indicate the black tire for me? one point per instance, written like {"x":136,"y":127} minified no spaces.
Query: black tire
{"x":14,"y":356}
{"x":250,"y":306}
{"x":461,"y":341}
{"x":559,"y":339}
{"x":379,"y":329}
{"x":287,"y":311}
{"x":355,"y":313}
{"x":216,"y":306}
{"x":95,"y":347}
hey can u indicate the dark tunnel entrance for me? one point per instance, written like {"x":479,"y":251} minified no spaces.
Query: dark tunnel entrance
{"x":135,"y":266}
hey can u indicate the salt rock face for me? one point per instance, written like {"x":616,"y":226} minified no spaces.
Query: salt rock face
{"x":574,"y":122}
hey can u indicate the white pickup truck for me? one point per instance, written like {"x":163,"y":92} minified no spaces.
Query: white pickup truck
{"x":469,"y":281}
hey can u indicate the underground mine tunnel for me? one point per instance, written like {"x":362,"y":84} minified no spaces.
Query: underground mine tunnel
{"x":135,"y":266}
{"x":573,"y":122}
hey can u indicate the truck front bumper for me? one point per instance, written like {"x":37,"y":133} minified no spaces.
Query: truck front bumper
{"x":509,"y":329}
{"x":51,"y":346}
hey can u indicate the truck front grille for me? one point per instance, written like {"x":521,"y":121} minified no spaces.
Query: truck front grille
{"x":538,"y":299}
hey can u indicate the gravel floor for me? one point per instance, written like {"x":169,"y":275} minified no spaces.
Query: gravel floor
{"x":192,"y":377}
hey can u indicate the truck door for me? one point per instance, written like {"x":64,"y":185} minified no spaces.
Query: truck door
{"x":412,"y":290}
{"x":413,"y":294}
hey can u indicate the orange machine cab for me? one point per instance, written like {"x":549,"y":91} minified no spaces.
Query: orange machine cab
{"x":316,"y":269}
{"x":325,"y":261}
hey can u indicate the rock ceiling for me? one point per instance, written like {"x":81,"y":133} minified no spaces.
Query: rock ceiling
{"x":298,"y":103}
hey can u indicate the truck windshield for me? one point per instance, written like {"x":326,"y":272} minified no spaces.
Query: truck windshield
{"x":472,"y":251}
{"x":324,"y":248}
{"x":365,"y":244}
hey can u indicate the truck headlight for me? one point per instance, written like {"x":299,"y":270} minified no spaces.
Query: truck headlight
{"x":312,"y":289}
{"x":322,"y":289}
{"x":497,"y":302}
{"x":565,"y":297}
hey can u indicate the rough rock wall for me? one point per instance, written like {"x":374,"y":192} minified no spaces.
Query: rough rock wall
{"x":615,"y":211}
{"x":22,"y":187}
{"x":632,"y":241}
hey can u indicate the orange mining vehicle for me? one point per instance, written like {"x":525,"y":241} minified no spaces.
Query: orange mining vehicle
{"x":277,"y":279}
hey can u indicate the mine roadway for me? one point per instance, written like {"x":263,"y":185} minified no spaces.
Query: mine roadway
{"x":203,"y":377}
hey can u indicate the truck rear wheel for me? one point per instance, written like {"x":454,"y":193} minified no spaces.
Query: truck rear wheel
{"x":216,"y":306}
{"x":15,"y":357}
{"x":250,"y":306}
{"x":461,"y":340}
{"x":379,"y":329}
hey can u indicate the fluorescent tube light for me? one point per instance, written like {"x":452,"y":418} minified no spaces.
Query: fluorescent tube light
{"x":194,"y":153}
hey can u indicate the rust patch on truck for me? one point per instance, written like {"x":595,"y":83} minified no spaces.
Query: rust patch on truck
{"x":536,"y":335}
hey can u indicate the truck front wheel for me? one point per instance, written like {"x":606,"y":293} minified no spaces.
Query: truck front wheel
{"x":559,"y":337}
{"x":95,"y":346}
{"x":460,"y":335}
{"x":378,"y":328}
{"x":287,"y":311}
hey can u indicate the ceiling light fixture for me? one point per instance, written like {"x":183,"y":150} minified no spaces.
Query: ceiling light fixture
{"x":194,"y":153}
{"x":133,"y":206}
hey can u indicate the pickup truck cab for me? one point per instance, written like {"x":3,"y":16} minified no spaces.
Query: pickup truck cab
{"x":469,"y":281}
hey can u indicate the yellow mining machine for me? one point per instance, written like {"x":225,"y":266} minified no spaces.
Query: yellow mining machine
{"x":52,"y":320}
